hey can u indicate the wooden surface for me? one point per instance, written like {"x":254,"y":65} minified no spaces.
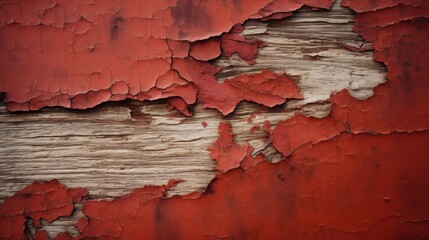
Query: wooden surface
{"x":117,"y":147}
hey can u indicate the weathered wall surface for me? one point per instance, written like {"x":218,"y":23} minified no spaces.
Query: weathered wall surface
{"x":306,"y":160}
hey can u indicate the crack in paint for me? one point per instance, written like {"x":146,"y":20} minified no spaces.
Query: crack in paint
{"x":109,"y":52}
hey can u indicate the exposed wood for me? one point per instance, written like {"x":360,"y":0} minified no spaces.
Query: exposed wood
{"x":110,"y":152}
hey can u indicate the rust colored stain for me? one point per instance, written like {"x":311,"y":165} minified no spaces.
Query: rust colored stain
{"x":359,"y":173}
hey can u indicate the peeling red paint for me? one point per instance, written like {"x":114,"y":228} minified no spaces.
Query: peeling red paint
{"x":359,"y":173}
{"x":300,"y":130}
{"x":225,"y":152}
{"x":250,"y":118}
{"x":180,"y":105}
{"x":384,"y":113}
{"x":284,"y":6}
{"x":245,"y":48}
{"x":267,"y":126}
{"x":81,"y":224}
{"x":255,"y":128}
{"x":205,"y":50}
{"x":79,"y":54}
{"x":228,"y":154}
{"x":265,"y":88}
{"x":41,"y":200}
{"x":311,"y":196}
{"x":276,"y":16}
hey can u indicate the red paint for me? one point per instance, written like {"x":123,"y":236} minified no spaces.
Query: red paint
{"x":369,"y":6}
{"x":300,"y":130}
{"x":78,"y":54}
{"x":41,"y":235}
{"x":227,"y":154}
{"x":265,"y":88}
{"x":267,"y":126}
{"x":244,"y":47}
{"x":359,"y":173}
{"x":276,"y":16}
{"x":180,"y":105}
{"x":64,"y":236}
{"x":205,"y":50}
{"x":354,"y":186}
{"x":250,"y":118}
{"x":41,"y":200}
{"x":230,"y":155}
{"x":255,"y":128}
{"x":282,"y":7}
{"x":400,"y":105}
{"x":334,"y":189}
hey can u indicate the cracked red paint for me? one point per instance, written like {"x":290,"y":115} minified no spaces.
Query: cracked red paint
{"x":405,"y":91}
{"x":265,"y":88}
{"x":299,"y":130}
{"x":287,"y":198}
{"x":228,"y":154}
{"x":359,"y":173}
{"x":78,"y":54}
{"x":245,"y":48}
{"x":310,"y":196}
{"x":41,"y":200}
{"x":205,"y":50}
{"x":98,"y":213}
{"x":400,"y":105}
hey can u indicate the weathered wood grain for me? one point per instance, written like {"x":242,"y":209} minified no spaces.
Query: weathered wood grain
{"x":117,"y":147}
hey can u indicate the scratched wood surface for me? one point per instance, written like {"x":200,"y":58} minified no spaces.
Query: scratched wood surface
{"x":117,"y":147}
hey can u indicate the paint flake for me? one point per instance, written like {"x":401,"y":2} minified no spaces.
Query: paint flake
{"x":245,"y":48}
{"x":227,"y":154}
{"x":265,"y":88}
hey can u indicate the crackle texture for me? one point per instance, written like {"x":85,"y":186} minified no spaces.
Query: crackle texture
{"x":41,"y":200}
{"x":357,"y":172}
{"x":78,"y":54}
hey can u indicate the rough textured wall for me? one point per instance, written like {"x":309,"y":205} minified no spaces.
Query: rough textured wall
{"x":359,"y":172}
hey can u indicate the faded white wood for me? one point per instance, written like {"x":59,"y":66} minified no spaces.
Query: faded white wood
{"x":109,"y":152}
{"x":310,"y":47}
